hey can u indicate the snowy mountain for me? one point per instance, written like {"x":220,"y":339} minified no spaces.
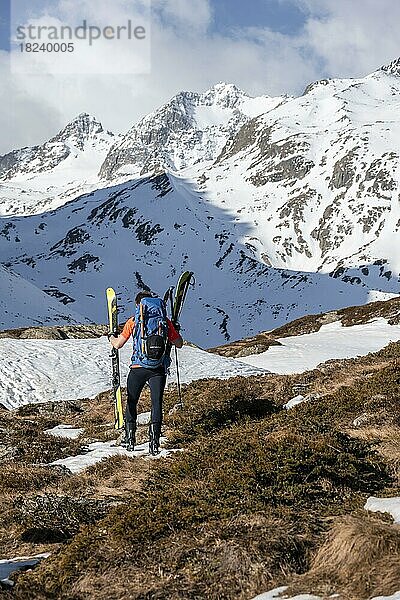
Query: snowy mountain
{"x":41,"y":178}
{"x":323,"y":174}
{"x":281,"y":206}
{"x":192,"y":128}
{"x":23,"y":302}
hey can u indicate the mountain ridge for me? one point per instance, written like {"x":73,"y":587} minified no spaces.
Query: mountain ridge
{"x":302,"y":195}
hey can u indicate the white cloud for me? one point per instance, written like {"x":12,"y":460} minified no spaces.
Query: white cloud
{"x":26,"y":117}
{"x":352,"y":37}
{"x":189,"y":14}
{"x":339,"y":38}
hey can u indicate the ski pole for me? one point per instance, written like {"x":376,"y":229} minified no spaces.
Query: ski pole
{"x":180,"y":403}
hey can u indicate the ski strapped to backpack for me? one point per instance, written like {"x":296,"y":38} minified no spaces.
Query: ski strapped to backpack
{"x":150,"y":335}
{"x":116,"y":381}
{"x":176,"y":304}
{"x":185,"y":280}
{"x":176,"y":308}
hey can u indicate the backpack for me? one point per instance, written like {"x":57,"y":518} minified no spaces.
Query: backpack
{"x":150,"y":336}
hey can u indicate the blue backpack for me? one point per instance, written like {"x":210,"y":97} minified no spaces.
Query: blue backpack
{"x":150,"y":336}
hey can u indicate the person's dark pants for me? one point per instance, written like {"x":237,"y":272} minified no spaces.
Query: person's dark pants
{"x":137,"y":379}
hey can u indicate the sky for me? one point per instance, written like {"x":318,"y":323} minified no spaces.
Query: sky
{"x":270,"y":47}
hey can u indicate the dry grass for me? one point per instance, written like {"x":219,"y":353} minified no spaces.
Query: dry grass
{"x":252,"y":345}
{"x":250,"y":503}
{"x":359,"y":559}
{"x":240,"y":510}
{"x":26,"y":445}
{"x":230,"y":559}
{"x":21,"y":477}
{"x":117,"y":476}
{"x":386,"y":441}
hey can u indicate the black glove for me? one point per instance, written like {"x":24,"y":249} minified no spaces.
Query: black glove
{"x":112,"y":334}
{"x":177,"y":326}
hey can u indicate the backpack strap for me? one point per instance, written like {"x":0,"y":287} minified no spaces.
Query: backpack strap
{"x":142,"y":324}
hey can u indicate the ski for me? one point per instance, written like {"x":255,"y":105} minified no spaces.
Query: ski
{"x":176,"y":308}
{"x":116,"y":382}
{"x":180,"y":294}
{"x":168,"y":295}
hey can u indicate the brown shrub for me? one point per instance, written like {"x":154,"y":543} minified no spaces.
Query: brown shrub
{"x":25,"y":477}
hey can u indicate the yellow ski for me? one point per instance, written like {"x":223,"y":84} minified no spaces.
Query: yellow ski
{"x":116,"y":382}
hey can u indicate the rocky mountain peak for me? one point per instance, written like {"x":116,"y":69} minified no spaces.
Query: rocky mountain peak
{"x":81,"y":129}
{"x":191,"y":127}
{"x":392,"y":68}
{"x":316,"y":84}
{"x":227,"y":95}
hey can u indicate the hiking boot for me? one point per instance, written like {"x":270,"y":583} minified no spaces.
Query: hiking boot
{"x":154,"y":438}
{"x":129,"y":441}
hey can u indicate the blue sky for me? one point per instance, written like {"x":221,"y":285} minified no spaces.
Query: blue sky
{"x":282,"y":16}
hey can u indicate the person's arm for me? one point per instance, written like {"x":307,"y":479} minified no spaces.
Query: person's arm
{"x":118,"y":341}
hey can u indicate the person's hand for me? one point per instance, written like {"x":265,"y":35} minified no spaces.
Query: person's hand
{"x":177,"y":326}
{"x":111,"y":334}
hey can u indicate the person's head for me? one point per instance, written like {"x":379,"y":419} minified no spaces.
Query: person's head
{"x":141,"y":295}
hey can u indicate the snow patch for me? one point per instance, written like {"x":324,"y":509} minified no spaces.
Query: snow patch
{"x":276,"y":593}
{"x":143,"y":418}
{"x":10,"y":565}
{"x":33,"y":371}
{"x":395,"y":596}
{"x":7,"y":561}
{"x":333,"y":341}
{"x":385,"y":505}
{"x":65,"y":431}
{"x":99,"y":450}
{"x":294,"y":401}
{"x":378,"y":296}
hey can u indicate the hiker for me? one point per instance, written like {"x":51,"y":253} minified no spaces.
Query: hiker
{"x":144,"y":369}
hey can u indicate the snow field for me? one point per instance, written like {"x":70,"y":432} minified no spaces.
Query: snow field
{"x":34,"y":371}
{"x":333,"y":341}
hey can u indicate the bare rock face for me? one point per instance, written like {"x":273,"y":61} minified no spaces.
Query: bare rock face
{"x":83,"y":128}
{"x":344,"y":171}
{"x":178,"y":134}
{"x":392,"y":68}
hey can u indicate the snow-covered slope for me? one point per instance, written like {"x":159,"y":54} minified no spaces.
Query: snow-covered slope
{"x":22,"y":302}
{"x":322,"y":172}
{"x":141,"y":235}
{"x":53,"y":370}
{"x":304,"y":352}
{"x":281,"y":206}
{"x":41,"y":178}
{"x":192,"y":128}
